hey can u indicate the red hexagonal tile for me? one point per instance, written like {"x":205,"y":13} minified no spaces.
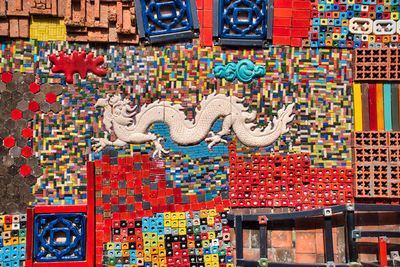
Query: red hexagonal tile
{"x":33,"y":106}
{"x":6,"y":77}
{"x":26,"y":151}
{"x":16,"y":114}
{"x":34,"y":87}
{"x":25,"y":170}
{"x":51,"y":97}
{"x":27,"y":133}
{"x":9,"y":142}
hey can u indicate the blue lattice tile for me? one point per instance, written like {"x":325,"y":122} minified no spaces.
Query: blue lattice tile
{"x":242,"y":22}
{"x":59,"y":237}
{"x":164,"y":21}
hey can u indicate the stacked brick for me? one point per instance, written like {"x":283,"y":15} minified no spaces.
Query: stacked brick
{"x":54,"y":8}
{"x":205,"y":14}
{"x":101,"y":21}
{"x":199,"y":238}
{"x":14,"y":18}
{"x":86,"y":21}
{"x":291,"y":22}
{"x":376,"y":64}
{"x":286,"y":181}
{"x":12,"y":240}
{"x":376,"y":157}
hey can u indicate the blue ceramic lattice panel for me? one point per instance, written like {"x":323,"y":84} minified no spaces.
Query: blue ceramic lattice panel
{"x":167,"y":20}
{"x":241,"y":22}
{"x":59,"y":237}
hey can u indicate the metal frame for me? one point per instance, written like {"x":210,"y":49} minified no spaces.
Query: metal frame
{"x":242,"y":42}
{"x":348,"y":210}
{"x":168,"y":37}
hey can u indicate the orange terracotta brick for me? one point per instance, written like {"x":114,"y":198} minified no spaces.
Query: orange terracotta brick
{"x":368,"y":257}
{"x":282,"y":239}
{"x":98,"y":35}
{"x":286,"y":255}
{"x":251,"y":254}
{"x":23,"y":24}
{"x":4,"y":27}
{"x":305,"y":242}
{"x":246,"y":238}
{"x":14,"y":28}
{"x":2,"y":8}
{"x":75,"y":13}
{"x":319,"y":240}
{"x":282,"y":13}
{"x":306,"y":258}
{"x":61,"y":8}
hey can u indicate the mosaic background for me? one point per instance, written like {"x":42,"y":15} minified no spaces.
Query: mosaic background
{"x":319,"y":84}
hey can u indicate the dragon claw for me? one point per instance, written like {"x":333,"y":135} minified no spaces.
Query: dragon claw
{"x":214,"y":139}
{"x":158,"y":148}
{"x":99,"y":143}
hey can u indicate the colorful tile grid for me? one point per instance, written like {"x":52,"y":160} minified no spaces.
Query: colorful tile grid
{"x":332,"y":23}
{"x":12,"y":240}
{"x":376,"y":106}
{"x":47,"y":29}
{"x":184,"y":74}
{"x":376,"y":165}
{"x":198,"y":238}
{"x":286,"y":181}
{"x":137,"y":187}
{"x":18,"y":55}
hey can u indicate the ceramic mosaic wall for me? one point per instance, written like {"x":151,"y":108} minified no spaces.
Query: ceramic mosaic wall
{"x":129,"y":135}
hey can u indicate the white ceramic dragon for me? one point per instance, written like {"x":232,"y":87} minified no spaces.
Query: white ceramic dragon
{"x":131,"y":127}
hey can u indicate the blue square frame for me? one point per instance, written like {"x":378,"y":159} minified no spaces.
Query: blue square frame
{"x":229,"y":30}
{"x":45,"y":225}
{"x":154,"y":26}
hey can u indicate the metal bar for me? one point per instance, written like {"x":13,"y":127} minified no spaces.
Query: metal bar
{"x":316,"y":212}
{"x":351,"y":246}
{"x":289,"y":216}
{"x":239,"y":237}
{"x":328,"y":239}
{"x":372,"y":233}
{"x":270,"y":19}
{"x":263,"y":241}
{"x":383,"y":251}
{"x":376,"y":207}
{"x":215,"y":24}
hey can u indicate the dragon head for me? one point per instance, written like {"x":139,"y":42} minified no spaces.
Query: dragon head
{"x":102,"y":102}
